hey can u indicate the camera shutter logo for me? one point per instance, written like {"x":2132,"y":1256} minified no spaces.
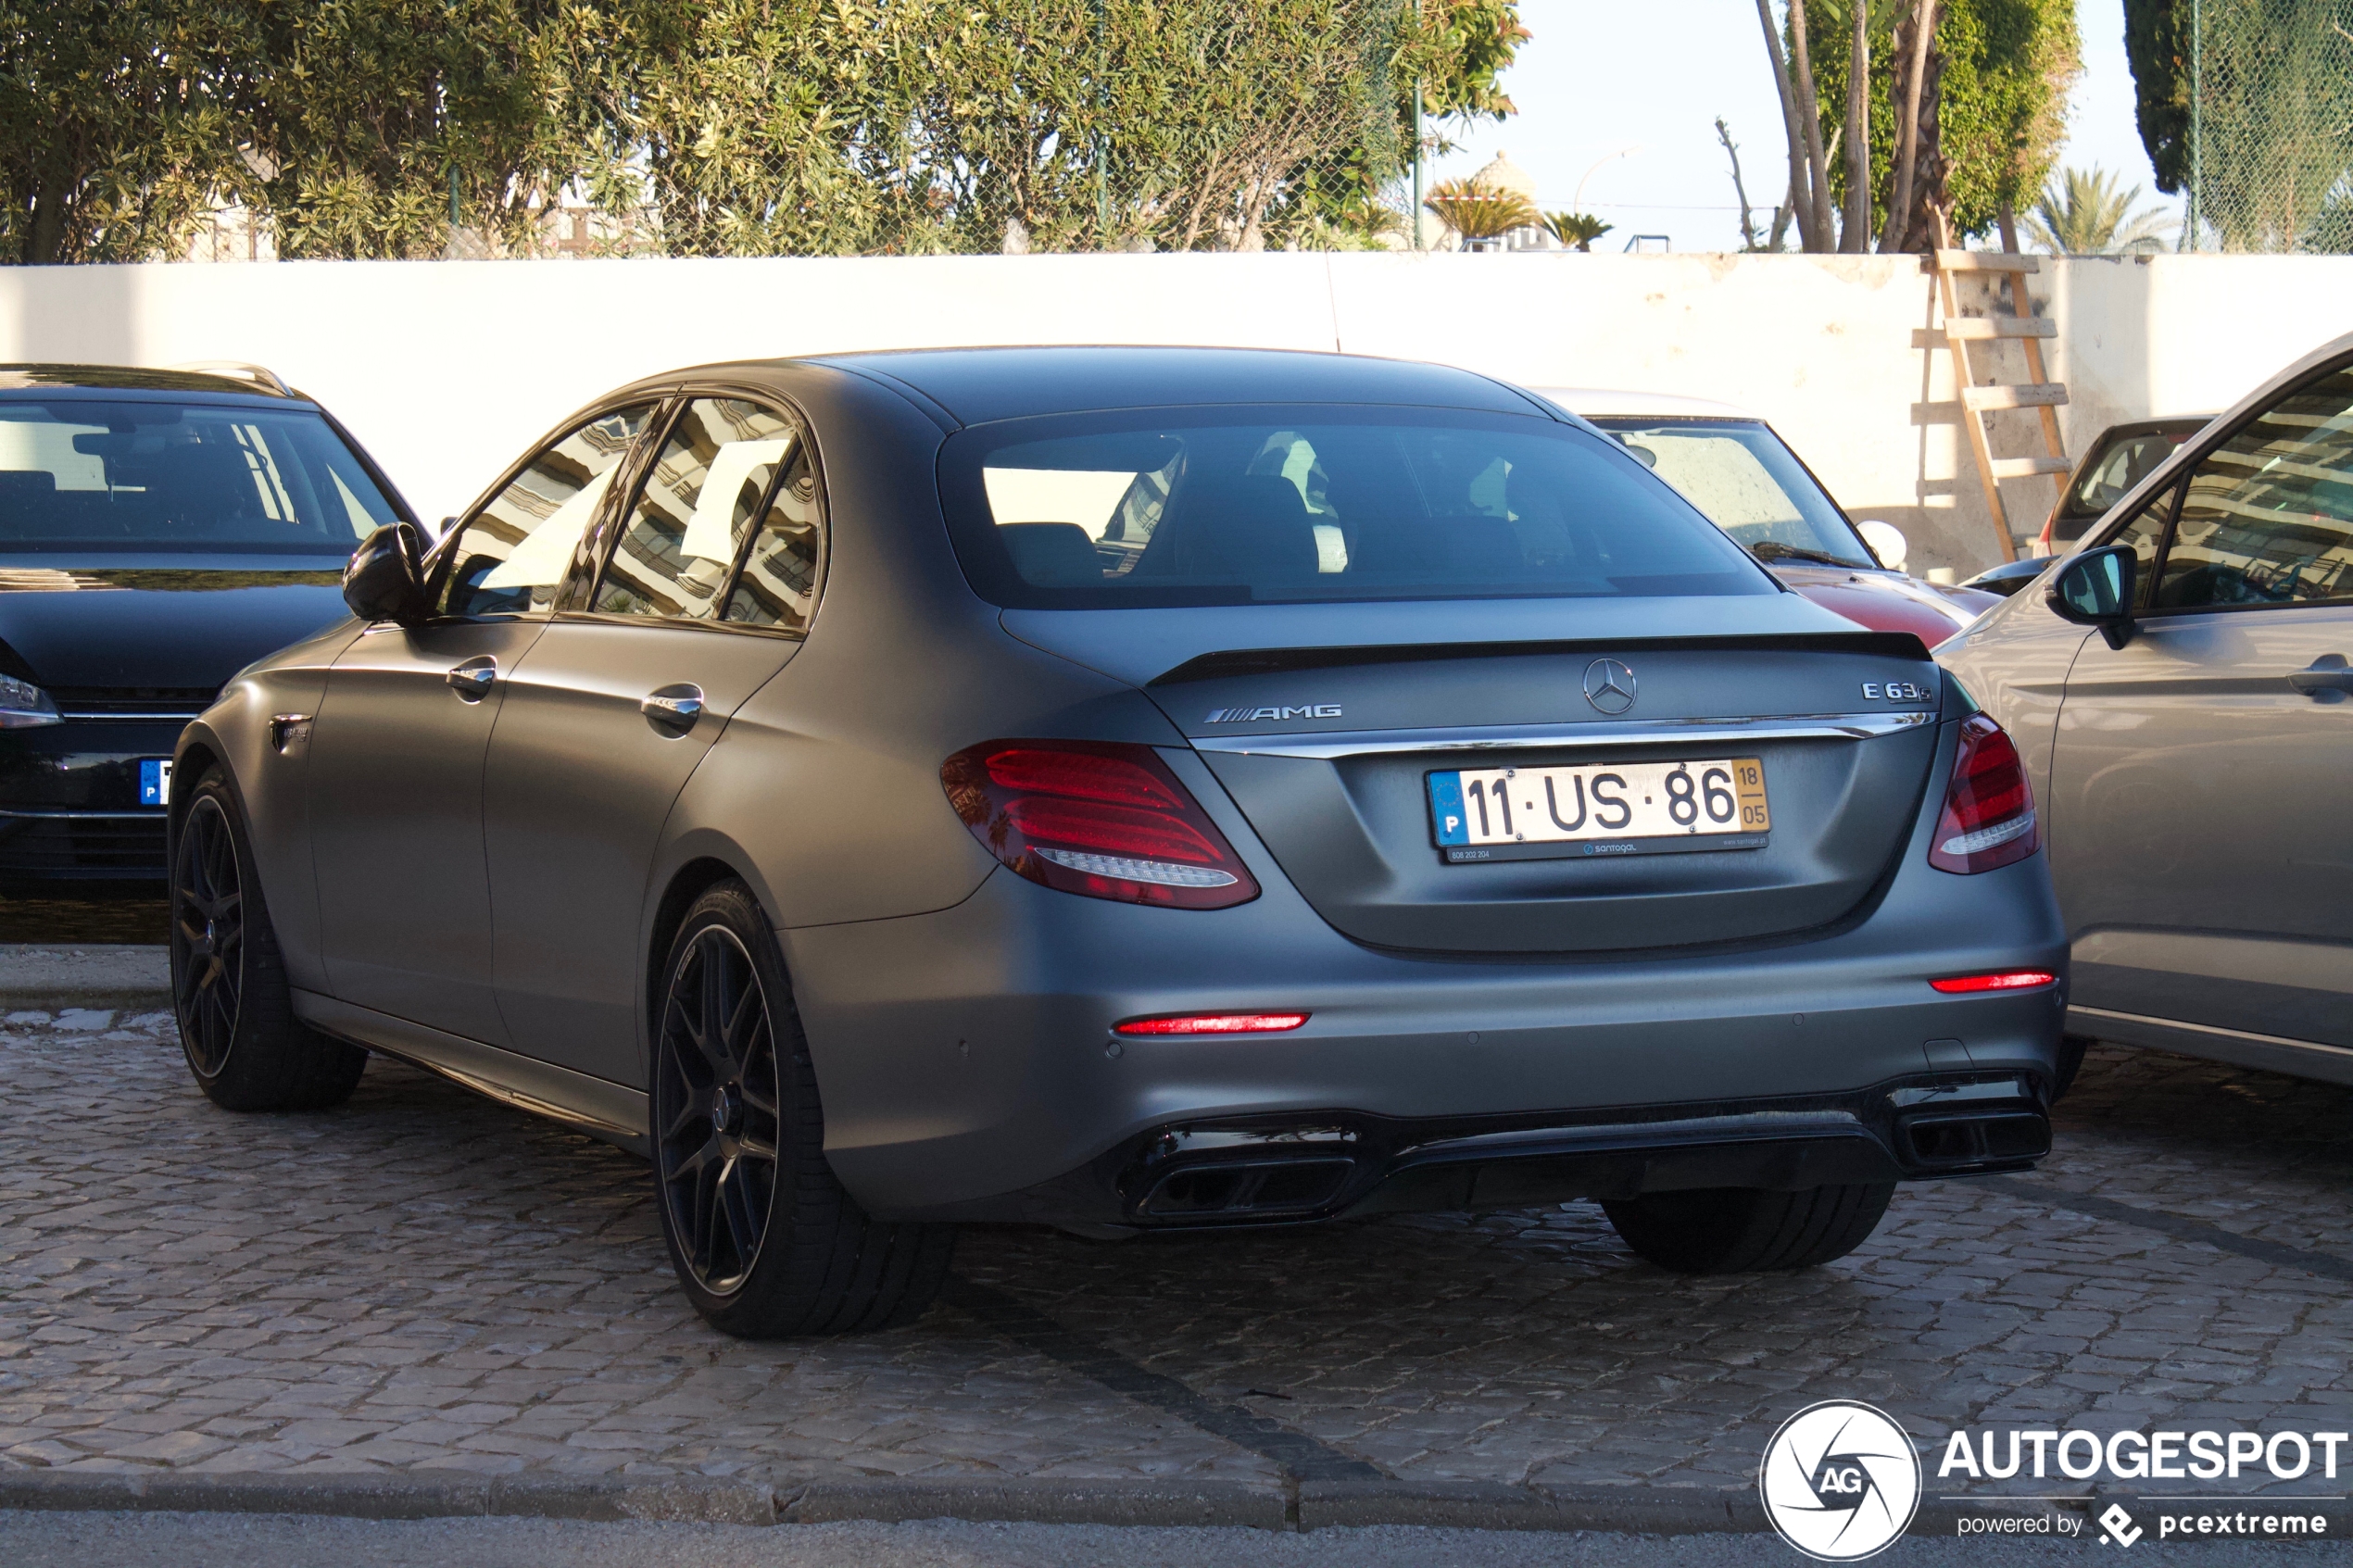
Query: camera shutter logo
{"x":1840,"y":1481}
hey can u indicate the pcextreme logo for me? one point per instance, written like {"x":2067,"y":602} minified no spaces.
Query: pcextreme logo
{"x":1840,"y":1481}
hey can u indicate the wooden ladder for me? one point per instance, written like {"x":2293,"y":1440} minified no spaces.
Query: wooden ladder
{"x":2043,"y":396}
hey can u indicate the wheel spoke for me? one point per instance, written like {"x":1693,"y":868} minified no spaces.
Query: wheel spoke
{"x":735,"y":1203}
{"x":713,"y":1006}
{"x":681,"y":1118}
{"x":744,"y":1021}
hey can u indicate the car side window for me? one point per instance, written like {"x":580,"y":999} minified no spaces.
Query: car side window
{"x":2143,"y":532}
{"x":778,"y":584}
{"x":692,"y":514}
{"x":510,"y":557}
{"x":2267,"y":518}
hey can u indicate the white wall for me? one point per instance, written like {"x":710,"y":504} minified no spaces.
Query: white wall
{"x":447,"y":369}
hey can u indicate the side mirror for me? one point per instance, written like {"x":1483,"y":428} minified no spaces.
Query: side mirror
{"x":1887,"y":542}
{"x":385,"y":578}
{"x":2096,"y":589}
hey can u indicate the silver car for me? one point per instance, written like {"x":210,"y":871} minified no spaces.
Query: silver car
{"x":2178,"y":687}
{"x":1132,"y":790}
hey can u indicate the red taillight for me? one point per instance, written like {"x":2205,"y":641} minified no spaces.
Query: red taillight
{"x":2007,"y":980}
{"x":1989,"y":812}
{"x":1100,"y":818}
{"x":1214,"y":1024}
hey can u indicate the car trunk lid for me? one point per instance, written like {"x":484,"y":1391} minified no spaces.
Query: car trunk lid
{"x":1329,"y":752}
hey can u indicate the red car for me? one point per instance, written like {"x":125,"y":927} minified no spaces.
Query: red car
{"x":1731,"y":466}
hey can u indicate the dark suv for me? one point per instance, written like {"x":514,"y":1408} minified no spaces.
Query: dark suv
{"x":160,"y":531}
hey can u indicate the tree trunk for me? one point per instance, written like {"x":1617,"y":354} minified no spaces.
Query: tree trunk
{"x":1801,"y":188}
{"x":1817,"y":164}
{"x":1911,"y":65}
{"x":1854,"y":235}
{"x":1926,"y":166}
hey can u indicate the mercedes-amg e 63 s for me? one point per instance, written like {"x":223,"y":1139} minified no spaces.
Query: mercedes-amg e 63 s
{"x":1129,"y":790}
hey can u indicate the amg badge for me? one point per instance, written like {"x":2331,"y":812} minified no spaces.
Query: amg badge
{"x":1251,"y":715}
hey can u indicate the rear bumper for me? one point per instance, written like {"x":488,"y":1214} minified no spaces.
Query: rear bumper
{"x":70,"y":807}
{"x":1285,"y":1170}
{"x":969,"y":1070}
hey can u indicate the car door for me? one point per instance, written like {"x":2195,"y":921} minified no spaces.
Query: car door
{"x":2200,"y":836}
{"x":703,"y":592}
{"x":397,"y":747}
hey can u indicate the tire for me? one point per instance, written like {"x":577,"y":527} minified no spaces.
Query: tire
{"x":229,"y":990}
{"x":2070,"y":1062}
{"x":766,"y":1243}
{"x":1749,"y":1230}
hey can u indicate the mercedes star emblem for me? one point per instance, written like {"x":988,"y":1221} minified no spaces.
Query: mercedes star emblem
{"x":1609,"y":685}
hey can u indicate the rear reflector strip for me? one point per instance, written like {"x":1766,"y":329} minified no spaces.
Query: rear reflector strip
{"x":1164,"y":873}
{"x":2008,"y":979}
{"x":1214,"y":1024}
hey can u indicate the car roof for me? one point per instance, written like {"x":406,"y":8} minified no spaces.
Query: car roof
{"x":33,"y":382}
{"x":2163,"y":424}
{"x":978,"y":385}
{"x":1604,"y":403}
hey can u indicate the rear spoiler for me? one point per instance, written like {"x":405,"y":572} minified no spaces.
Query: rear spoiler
{"x":1279,"y":662}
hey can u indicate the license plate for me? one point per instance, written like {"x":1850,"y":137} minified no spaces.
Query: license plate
{"x":1603,"y":809}
{"x":155,"y":780}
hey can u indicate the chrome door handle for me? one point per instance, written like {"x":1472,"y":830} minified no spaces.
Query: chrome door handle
{"x":674,"y":709}
{"x":2329,"y":680}
{"x":472,"y":679}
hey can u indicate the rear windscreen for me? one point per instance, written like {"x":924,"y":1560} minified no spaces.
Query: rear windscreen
{"x":87,"y":474}
{"x":1314,"y":505}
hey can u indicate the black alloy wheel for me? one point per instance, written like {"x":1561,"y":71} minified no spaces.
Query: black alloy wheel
{"x":766,"y":1242}
{"x":716,"y":1106}
{"x":208,"y":937}
{"x":229,"y":987}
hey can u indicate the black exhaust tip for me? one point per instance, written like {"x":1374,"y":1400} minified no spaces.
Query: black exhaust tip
{"x":1947,"y":1141}
{"x":1271,"y":1187}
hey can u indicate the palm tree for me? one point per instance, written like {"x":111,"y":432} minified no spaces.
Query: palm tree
{"x":2086,"y":212}
{"x":1478,"y":211}
{"x":1579,"y":229}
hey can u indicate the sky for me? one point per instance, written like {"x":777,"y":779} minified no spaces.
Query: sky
{"x":1601,"y":76}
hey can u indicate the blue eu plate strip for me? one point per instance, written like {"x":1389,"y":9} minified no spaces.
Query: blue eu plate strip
{"x":155,"y":781}
{"x":1446,"y":807}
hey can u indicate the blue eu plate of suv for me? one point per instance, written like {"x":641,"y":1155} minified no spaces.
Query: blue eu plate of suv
{"x":1132,"y":790}
{"x":158,"y":530}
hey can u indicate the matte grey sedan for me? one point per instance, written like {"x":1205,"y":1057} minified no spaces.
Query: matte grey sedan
{"x":1132,"y":790}
{"x":2178,"y":687}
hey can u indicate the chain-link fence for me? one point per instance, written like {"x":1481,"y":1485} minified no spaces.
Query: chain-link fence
{"x":2271,"y":133}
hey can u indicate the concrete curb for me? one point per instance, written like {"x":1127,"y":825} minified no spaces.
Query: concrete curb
{"x":1317,"y":1505}
{"x":1042,"y":1503}
{"x":1488,"y":1505}
{"x":52,"y":976}
{"x":683,"y":1499}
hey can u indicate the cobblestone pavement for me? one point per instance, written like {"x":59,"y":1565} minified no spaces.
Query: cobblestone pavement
{"x":424,"y":1280}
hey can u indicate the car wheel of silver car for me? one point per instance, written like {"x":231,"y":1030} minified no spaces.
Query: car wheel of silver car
{"x":764,"y":1239}
{"x":229,"y":986}
{"x":1749,"y":1230}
